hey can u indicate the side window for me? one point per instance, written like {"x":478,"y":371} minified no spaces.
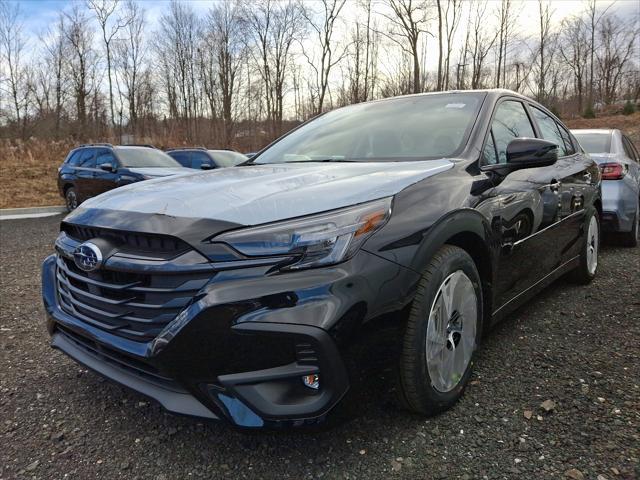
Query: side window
{"x":183,"y":158}
{"x":549,"y":130}
{"x":568,"y":145}
{"x":87,"y":158}
{"x":489,"y":152}
{"x":510,"y":121}
{"x":105,"y":156}
{"x":628,"y":150}
{"x":74,"y":159}
{"x":198,"y":158}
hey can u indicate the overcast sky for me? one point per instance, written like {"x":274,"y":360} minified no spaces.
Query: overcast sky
{"x":39,"y":14}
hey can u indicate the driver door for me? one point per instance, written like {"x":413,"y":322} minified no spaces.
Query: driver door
{"x":523,"y":207}
{"x":105,"y":180}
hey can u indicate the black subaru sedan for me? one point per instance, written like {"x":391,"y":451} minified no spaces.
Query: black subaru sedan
{"x":244,"y":294}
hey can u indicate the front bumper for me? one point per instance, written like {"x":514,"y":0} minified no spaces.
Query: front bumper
{"x":237,"y":359}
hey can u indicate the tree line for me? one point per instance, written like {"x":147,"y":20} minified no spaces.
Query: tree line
{"x":248,"y":70}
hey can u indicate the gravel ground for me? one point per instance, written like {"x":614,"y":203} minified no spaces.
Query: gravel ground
{"x":578,"y":347}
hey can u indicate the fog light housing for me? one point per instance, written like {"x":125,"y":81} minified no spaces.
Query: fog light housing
{"x":311,"y":381}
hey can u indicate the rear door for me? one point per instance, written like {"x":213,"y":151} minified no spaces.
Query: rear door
{"x":85,"y":173}
{"x":577,"y":175}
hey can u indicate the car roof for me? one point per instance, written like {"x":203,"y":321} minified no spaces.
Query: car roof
{"x":108,"y":145}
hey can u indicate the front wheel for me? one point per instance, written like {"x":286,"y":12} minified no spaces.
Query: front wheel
{"x":442,"y":333}
{"x":71,"y":198}
{"x":585,"y":272}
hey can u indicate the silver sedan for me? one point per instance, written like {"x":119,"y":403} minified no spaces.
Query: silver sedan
{"x":619,"y":163}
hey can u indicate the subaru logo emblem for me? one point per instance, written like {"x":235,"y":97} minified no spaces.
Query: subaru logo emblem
{"x":87,"y":257}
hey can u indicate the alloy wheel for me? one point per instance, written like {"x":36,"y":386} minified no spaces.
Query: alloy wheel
{"x":592,"y":245}
{"x":451,"y":331}
{"x":72,"y":200}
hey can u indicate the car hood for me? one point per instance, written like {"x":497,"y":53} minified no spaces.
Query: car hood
{"x":160,"y":171}
{"x":256,"y":194}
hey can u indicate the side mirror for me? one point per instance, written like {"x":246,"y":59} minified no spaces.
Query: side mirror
{"x":206,"y":166}
{"x":531,"y":153}
{"x":108,"y":167}
{"x":526,"y":153}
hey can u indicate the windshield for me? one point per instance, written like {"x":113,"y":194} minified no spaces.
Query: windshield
{"x":226,"y":158}
{"x":414,"y":127}
{"x":139,"y":157}
{"x":594,"y":142}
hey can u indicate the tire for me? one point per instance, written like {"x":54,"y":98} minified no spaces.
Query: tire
{"x":425,"y":386}
{"x":71,"y":199}
{"x":586,"y":270}
{"x":632,"y":238}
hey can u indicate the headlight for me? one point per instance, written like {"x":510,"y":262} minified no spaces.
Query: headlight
{"x":316,"y":240}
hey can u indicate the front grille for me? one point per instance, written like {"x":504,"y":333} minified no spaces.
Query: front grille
{"x":144,"y":242}
{"x":134,"y":305}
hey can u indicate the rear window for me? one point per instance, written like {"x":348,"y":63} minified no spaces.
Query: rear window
{"x":140,"y":157}
{"x":594,"y":142}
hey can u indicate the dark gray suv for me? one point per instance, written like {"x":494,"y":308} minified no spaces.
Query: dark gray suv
{"x":92,"y":169}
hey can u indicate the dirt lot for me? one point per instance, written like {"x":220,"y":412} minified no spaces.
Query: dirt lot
{"x":576,"y":346}
{"x":28,"y":169}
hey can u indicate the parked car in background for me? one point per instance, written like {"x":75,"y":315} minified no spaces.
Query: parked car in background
{"x":92,"y":169}
{"x":204,"y":159}
{"x":619,"y":161}
{"x":260,"y":294}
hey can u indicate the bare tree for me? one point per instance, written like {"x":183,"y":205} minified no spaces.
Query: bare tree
{"x":506,"y":20}
{"x":452,"y":17}
{"x":360,"y":72}
{"x":574,"y":49}
{"x":618,"y":42}
{"x":80,"y":63}
{"x":322,"y":27}
{"x":129,"y":56}
{"x":273,"y":27}
{"x":546,"y":49}
{"x":224,"y":38}
{"x":52,"y":70}
{"x":176,"y":46}
{"x":407,"y":24}
{"x":440,"y":78}
{"x":12,"y":47}
{"x":104,"y":10}
{"x":482,"y":42}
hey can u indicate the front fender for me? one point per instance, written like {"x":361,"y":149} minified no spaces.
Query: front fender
{"x":464,"y":222}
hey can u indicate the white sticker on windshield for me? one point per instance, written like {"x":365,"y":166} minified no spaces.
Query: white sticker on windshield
{"x":455,"y":105}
